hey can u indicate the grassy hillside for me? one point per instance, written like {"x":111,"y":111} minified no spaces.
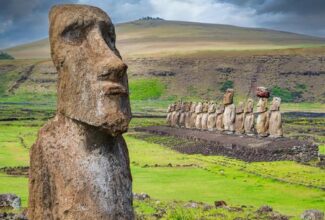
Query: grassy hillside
{"x":145,"y":37}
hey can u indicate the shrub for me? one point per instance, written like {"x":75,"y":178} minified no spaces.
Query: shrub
{"x":5,"y":56}
{"x":226,"y":85}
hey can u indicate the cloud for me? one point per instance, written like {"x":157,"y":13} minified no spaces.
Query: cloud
{"x":23,"y":21}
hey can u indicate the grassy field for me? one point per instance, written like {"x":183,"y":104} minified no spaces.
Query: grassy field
{"x":168,"y":176}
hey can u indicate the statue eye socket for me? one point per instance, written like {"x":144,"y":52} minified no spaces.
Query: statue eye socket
{"x":74,"y":35}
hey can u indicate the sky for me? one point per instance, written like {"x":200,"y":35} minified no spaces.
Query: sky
{"x":23,"y":21}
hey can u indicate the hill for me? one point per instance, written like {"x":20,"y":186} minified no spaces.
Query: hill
{"x":164,"y":37}
{"x":169,"y":60}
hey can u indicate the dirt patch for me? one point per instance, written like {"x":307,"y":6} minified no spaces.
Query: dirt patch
{"x":15,"y":171}
{"x":23,"y":77}
{"x":241,"y":147}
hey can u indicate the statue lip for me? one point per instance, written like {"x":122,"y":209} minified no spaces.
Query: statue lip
{"x":116,"y":89}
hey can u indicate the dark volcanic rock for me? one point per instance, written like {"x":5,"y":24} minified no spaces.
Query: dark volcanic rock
{"x":312,"y":215}
{"x":10,"y":201}
{"x":241,"y":147}
{"x":162,"y":73}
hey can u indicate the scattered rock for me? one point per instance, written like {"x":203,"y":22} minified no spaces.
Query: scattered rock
{"x":220,"y":203}
{"x":161,"y":73}
{"x":191,"y":205}
{"x":225,"y":70}
{"x":10,"y":201}
{"x":265,"y":209}
{"x":141,"y":196}
{"x":312,"y":215}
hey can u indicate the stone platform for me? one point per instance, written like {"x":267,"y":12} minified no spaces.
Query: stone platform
{"x":239,"y":146}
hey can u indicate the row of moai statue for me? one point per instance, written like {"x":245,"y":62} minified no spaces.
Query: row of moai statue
{"x":229,"y":118}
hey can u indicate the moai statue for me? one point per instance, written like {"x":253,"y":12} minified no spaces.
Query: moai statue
{"x":205,"y":115}
{"x":212,"y":117}
{"x":239,"y":119}
{"x":188,"y":115}
{"x":198,"y":111}
{"x":176,"y":114}
{"x":219,"y":117}
{"x":182,"y":113}
{"x":170,"y":111}
{"x":79,"y":165}
{"x":193,"y":115}
{"x":262,"y":120}
{"x":275,"y":122}
{"x":249,"y":118}
{"x":230,"y":112}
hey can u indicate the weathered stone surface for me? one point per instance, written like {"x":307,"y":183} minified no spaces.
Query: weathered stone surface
{"x":181,"y":121}
{"x":230,"y":111}
{"x":212,"y":117}
{"x":205,"y":115}
{"x":219,"y":117}
{"x":312,"y":215}
{"x":10,"y":201}
{"x":262,"y":120}
{"x":249,"y":117}
{"x":239,"y":120}
{"x":275,"y":121}
{"x":193,"y":115}
{"x":170,"y":111}
{"x":198,"y":111}
{"x":176,"y":114}
{"x":79,"y":164}
{"x":188,"y":112}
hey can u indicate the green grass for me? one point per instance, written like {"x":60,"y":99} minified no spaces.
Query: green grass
{"x":208,"y":181}
{"x":144,"y":89}
{"x":16,"y":185}
{"x":322,"y":149}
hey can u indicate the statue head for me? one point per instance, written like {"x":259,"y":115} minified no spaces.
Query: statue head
{"x":261,"y":105}
{"x":275,"y":106}
{"x":92,"y":79}
{"x":198,"y":107}
{"x":249,"y":106}
{"x":212,"y":107}
{"x":193,"y":105}
{"x":240,"y":108}
{"x":228,"y":97}
{"x":220,"y":109}
{"x":188,"y":106}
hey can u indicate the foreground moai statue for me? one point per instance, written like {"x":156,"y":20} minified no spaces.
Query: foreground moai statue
{"x":198,"y":111}
{"x":212,"y":117}
{"x":275,"y":121}
{"x":170,"y":111}
{"x":239,"y":120}
{"x":262,"y":120}
{"x":79,"y":165}
{"x":188,"y":115}
{"x":249,"y":118}
{"x":205,"y":115}
{"x":230,"y":112}
{"x":219,"y":117}
{"x":193,"y":115}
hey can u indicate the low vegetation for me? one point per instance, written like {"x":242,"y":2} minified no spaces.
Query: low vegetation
{"x":5,"y":56}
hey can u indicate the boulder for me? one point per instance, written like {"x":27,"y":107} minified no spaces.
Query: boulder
{"x":10,"y":201}
{"x":312,"y":215}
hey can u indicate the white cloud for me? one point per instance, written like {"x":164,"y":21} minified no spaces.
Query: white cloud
{"x":203,"y":11}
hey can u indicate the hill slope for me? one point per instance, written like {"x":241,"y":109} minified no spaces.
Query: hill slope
{"x":160,"y":36}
